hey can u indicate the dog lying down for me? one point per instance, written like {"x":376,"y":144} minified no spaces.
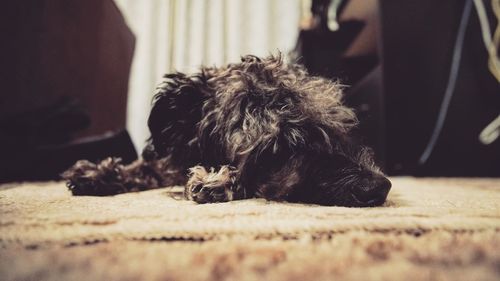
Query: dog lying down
{"x":259,"y":128}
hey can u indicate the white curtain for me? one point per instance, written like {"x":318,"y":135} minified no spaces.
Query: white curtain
{"x":185,"y":34}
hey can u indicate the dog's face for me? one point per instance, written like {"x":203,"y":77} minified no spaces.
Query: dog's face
{"x":345,"y":175}
{"x":349,"y":179}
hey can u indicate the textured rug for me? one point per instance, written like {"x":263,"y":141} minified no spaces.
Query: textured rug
{"x":429,"y":229}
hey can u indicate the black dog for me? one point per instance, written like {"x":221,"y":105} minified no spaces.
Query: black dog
{"x":260,"y":128}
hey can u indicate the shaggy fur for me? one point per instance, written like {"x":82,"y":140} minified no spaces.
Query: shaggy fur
{"x":259,"y":128}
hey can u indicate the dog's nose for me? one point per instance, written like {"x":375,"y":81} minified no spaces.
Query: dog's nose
{"x":373,"y":193}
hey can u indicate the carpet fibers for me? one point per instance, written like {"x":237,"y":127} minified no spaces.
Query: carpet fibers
{"x":429,"y":229}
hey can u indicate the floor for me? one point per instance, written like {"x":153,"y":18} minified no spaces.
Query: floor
{"x":429,"y":229}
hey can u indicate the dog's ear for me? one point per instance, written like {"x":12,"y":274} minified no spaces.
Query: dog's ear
{"x":175,"y":113}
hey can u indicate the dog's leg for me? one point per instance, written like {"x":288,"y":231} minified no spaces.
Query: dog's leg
{"x":212,"y":186}
{"x":110,"y":177}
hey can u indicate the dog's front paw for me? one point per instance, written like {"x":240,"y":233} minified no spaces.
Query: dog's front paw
{"x":87,"y":178}
{"x":202,"y":193}
{"x":210,"y":187}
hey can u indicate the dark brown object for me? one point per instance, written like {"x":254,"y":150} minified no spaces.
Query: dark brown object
{"x":64,"y":74}
{"x":54,"y":48}
{"x":418,"y":40}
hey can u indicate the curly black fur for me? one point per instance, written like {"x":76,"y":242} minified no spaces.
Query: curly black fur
{"x":269,"y":128}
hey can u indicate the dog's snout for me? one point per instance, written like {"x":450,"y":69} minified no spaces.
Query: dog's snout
{"x":373,"y":193}
{"x":383,"y":186}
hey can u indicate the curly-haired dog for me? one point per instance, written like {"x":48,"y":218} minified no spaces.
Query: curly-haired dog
{"x":259,"y":128}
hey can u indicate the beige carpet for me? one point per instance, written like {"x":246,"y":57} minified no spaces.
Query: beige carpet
{"x":430,"y":229}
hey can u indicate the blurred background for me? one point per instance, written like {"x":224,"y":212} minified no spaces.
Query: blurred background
{"x":179,"y":35}
{"x":78,"y":76}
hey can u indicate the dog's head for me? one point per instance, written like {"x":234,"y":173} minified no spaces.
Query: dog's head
{"x":349,"y":177}
{"x":346,"y":176}
{"x":307,"y":151}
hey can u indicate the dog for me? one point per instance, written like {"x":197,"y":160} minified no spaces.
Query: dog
{"x":260,"y":128}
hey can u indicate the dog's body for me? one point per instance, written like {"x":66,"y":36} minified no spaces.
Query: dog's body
{"x":259,"y":128}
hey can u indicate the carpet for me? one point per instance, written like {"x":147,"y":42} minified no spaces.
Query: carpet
{"x":429,"y":229}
